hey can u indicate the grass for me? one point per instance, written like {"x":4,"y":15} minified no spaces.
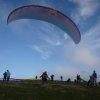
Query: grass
{"x":57,"y":90}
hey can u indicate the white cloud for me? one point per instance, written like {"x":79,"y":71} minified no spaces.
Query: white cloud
{"x":65,"y":36}
{"x":86,"y":8}
{"x":69,"y":72}
{"x":42,"y":50}
{"x":38,"y":49}
{"x":86,"y":52}
{"x":42,"y":2}
{"x":94,"y":31}
{"x":66,"y":72}
{"x":86,"y":57}
{"x":83,"y":53}
{"x":52,"y":41}
{"x":46,"y":36}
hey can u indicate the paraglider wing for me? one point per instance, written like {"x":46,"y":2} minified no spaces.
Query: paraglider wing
{"x":49,"y":15}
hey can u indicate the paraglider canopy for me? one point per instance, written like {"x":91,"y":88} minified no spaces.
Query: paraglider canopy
{"x":49,"y":15}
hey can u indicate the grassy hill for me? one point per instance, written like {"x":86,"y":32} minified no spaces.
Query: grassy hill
{"x":57,"y":90}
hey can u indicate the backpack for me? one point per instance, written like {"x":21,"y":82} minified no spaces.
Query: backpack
{"x":95,"y":75}
{"x":5,"y":74}
{"x":44,"y":75}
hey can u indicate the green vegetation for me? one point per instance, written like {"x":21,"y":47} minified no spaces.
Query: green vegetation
{"x":57,"y":90}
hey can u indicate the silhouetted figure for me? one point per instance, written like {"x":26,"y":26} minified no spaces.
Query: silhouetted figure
{"x":44,"y":77}
{"x":94,"y":75}
{"x":5,"y":76}
{"x":75,"y":80}
{"x":90,"y":81}
{"x":61,"y":78}
{"x":52,"y":77}
{"x":36,"y":77}
{"x":41,"y":77}
{"x":78,"y":78}
{"x":8,"y":75}
{"x":69,"y":80}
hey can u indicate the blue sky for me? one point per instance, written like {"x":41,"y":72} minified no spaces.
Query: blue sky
{"x":29,"y":47}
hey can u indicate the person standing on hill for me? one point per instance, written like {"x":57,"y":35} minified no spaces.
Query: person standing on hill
{"x":61,"y":78}
{"x":52,"y":77}
{"x":78,"y":78}
{"x":8,"y":75}
{"x":36,"y":77}
{"x":45,"y":76}
{"x":94,"y":75}
{"x":5,"y":76}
